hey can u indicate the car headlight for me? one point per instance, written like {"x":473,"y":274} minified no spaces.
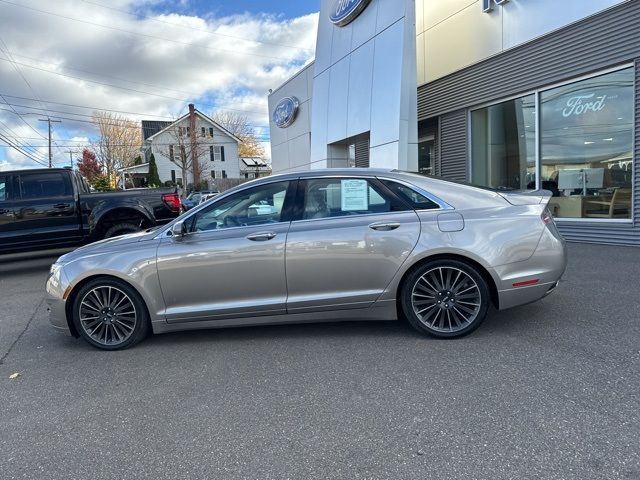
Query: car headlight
{"x":55,"y":268}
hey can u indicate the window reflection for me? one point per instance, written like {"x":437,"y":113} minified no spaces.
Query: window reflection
{"x":503,"y":144}
{"x":586,"y":146}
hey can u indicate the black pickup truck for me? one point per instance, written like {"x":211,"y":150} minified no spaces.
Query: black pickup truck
{"x":54,"y":208}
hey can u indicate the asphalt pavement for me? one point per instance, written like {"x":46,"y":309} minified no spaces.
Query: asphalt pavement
{"x":550,"y":390}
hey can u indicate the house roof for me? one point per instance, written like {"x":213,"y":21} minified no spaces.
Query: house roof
{"x":186,"y":115}
{"x":140,"y":168}
{"x":151,"y":127}
{"x":254,"y":162}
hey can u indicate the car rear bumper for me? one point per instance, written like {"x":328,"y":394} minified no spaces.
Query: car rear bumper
{"x":524,"y":282}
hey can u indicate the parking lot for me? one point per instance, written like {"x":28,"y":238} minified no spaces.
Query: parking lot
{"x":549,"y":390}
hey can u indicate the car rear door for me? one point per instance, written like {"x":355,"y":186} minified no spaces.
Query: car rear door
{"x":45,"y":210}
{"x":348,"y":239}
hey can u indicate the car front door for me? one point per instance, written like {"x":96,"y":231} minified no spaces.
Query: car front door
{"x":45,"y":210}
{"x":230,"y":261}
{"x":348,"y":239}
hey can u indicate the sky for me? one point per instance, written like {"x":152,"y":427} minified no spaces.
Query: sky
{"x":145,"y":59}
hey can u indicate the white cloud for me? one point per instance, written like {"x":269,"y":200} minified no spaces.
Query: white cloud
{"x":169,"y":60}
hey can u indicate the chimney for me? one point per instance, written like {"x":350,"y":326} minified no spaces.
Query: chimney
{"x":195,"y":160}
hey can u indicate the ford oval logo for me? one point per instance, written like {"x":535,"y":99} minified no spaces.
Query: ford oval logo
{"x":285,"y":112}
{"x":346,"y":11}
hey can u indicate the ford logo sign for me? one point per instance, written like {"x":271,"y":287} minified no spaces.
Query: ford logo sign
{"x":346,"y":11}
{"x":285,"y":112}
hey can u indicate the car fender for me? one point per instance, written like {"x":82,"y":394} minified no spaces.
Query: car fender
{"x":104,"y":208}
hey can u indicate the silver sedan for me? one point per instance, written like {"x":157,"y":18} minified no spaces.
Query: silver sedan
{"x":323,"y":245}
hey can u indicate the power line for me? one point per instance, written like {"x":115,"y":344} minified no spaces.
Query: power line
{"x":199,"y":29}
{"x":235,"y":52}
{"x":18,"y":149}
{"x":17,"y":69}
{"x":192,"y":94}
{"x":7,"y":132}
{"x":126,"y":88}
{"x":99,"y":109}
{"x":123,"y":88}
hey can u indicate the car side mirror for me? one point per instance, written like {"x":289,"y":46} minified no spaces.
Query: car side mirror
{"x":178,"y":230}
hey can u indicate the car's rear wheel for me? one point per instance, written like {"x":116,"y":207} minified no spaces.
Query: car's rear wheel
{"x":110,"y":314}
{"x":445,"y":298}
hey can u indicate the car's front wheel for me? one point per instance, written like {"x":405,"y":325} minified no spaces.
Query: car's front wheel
{"x":110,"y":314}
{"x":445,"y":298}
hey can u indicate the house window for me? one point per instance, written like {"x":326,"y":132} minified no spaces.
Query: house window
{"x":224,"y":174}
{"x":211,"y":132}
{"x":171,"y":152}
{"x":216,"y":153}
{"x":202,"y":131}
{"x":173,"y":176}
{"x":213,"y":174}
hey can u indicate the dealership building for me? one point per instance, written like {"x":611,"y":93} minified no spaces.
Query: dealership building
{"x":509,"y":94}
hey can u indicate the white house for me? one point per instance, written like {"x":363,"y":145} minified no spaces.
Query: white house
{"x":170,"y":142}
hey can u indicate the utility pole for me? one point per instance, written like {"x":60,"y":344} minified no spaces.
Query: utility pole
{"x":48,"y":120}
{"x":195,"y":160}
{"x":70,"y":152}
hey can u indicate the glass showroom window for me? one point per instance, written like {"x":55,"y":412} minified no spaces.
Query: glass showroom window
{"x":503,"y":144}
{"x":586,"y":135}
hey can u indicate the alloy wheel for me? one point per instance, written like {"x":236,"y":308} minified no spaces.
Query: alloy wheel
{"x":107,"y":315}
{"x":446,"y":299}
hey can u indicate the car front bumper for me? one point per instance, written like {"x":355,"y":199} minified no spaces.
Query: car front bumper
{"x":56,"y":294}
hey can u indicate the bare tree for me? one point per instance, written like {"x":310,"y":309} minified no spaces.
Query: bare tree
{"x":185,"y":150}
{"x":119,"y":141}
{"x":239,"y":125}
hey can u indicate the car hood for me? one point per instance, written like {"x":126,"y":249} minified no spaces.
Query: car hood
{"x":109,"y":244}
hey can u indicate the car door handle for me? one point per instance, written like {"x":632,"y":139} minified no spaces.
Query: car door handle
{"x":261,"y":236}
{"x":61,"y":205}
{"x":384,"y":226}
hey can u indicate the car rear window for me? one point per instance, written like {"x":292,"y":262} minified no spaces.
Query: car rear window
{"x":417,"y":200}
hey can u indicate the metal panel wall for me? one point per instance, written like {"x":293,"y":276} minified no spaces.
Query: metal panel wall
{"x":453,"y":145}
{"x":592,"y":44}
{"x":605,"y":40}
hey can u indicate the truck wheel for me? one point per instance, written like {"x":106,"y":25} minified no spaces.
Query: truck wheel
{"x":121,"y":229}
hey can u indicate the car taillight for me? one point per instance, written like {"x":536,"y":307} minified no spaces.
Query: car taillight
{"x":172,"y":200}
{"x":546,"y":216}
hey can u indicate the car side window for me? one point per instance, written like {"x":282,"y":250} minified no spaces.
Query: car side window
{"x":409,"y":195}
{"x":339,"y":197}
{"x":43,"y":185}
{"x":255,"y":206}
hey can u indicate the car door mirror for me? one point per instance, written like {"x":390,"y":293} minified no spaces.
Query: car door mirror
{"x":178,"y":230}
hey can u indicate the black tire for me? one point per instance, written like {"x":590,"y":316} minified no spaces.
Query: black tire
{"x":111,"y":322}
{"x":121,"y":229}
{"x":445,"y":298}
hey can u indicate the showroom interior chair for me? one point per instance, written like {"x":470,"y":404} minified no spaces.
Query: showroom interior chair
{"x":618,"y":206}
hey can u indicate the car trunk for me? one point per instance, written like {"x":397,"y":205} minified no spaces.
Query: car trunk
{"x":526,"y":197}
